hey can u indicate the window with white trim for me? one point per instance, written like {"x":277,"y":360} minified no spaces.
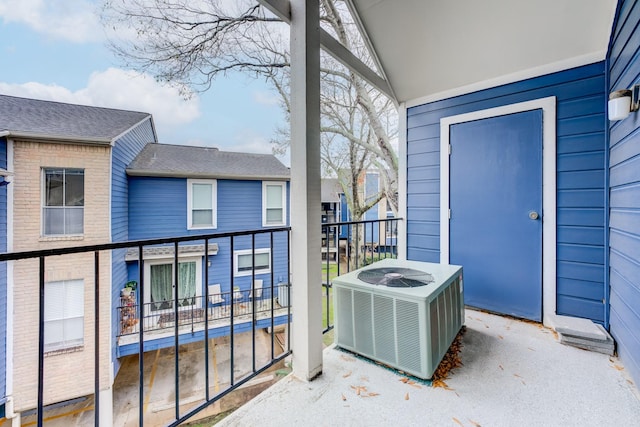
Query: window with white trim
{"x":201,"y":203}
{"x":62,"y":202}
{"x":243,"y":262}
{"x":274,"y":199}
{"x":63,"y":315}
{"x":159,"y":284}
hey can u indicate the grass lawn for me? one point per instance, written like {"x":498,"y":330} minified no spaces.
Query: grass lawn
{"x":327,"y":338}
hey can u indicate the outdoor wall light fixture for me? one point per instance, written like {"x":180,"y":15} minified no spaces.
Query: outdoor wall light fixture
{"x":7,"y":177}
{"x":622,"y":102}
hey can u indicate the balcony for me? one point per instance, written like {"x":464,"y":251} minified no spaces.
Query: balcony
{"x":511,"y":371}
{"x":196,"y":313}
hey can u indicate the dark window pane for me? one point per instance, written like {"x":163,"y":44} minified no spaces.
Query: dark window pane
{"x":74,"y":188}
{"x":54,"y":187}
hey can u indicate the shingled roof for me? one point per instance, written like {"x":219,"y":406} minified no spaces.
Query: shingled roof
{"x":37,"y":119}
{"x":205,"y":162}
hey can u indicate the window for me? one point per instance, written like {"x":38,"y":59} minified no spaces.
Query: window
{"x":201,"y":201}
{"x":63,"y":315}
{"x":244,"y":262}
{"x":273,"y":203}
{"x":63,"y":202}
{"x":159,"y":293}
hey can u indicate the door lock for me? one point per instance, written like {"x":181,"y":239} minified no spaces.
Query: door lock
{"x":534,"y":215}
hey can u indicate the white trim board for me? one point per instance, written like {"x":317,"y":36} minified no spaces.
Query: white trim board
{"x":402,"y":182}
{"x":548,"y":107}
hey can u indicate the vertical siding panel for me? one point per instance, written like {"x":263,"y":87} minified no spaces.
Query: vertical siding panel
{"x":624,"y":183}
{"x":123,"y":152}
{"x":580,"y":94}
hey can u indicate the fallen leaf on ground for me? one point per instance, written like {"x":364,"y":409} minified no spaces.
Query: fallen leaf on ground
{"x":501,"y":337}
{"x":441,"y":384}
{"x":474,"y":423}
{"x":457,"y":421}
{"x":516,"y":375}
{"x":618,"y":367}
{"x":359,"y":389}
{"x":500,"y":366}
{"x":372,"y":394}
{"x":406,"y":396}
{"x":346,"y":358}
{"x":404,"y":380}
{"x":348,"y":374}
{"x":451,"y":359}
{"x":344,"y":397}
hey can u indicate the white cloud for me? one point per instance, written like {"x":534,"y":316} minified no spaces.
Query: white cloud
{"x":116,"y":88}
{"x":73,"y":20}
{"x":266,"y":98}
{"x":248,"y":141}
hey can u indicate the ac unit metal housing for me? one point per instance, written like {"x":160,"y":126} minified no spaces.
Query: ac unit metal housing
{"x":409,"y":329}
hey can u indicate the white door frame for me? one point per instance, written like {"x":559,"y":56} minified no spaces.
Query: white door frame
{"x":548,"y":107}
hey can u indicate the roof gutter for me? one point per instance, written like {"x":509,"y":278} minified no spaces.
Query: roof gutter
{"x":56,"y":138}
{"x":203,"y":175}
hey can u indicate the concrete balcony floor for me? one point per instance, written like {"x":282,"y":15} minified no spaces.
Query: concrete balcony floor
{"x":513,"y":373}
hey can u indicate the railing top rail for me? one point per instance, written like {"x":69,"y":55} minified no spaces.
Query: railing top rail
{"x":12,"y":256}
{"x":367,"y":221}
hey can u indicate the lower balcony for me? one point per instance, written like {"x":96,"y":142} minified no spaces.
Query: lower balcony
{"x":160,"y":319}
{"x":511,"y":372}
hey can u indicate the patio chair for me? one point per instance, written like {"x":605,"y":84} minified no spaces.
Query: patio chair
{"x":257,"y":288}
{"x":215,"y":296}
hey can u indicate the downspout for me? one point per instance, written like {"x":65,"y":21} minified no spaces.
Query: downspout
{"x":607,"y":274}
{"x":9,"y":406}
{"x":607,"y":137}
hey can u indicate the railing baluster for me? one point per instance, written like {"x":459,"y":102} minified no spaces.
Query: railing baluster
{"x":231,"y":328}
{"x":205,"y":305}
{"x":176,"y":321}
{"x":273,"y":301}
{"x":96,"y":339}
{"x":252,"y":296}
{"x":141,"y":335}
{"x":41,"y":345}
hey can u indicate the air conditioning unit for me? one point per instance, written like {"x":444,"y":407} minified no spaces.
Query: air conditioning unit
{"x":404,"y":314}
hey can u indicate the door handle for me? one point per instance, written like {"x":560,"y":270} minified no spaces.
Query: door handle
{"x":534,"y":215}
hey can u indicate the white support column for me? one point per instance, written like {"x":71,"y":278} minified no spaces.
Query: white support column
{"x":106,"y":407}
{"x":306,"y":293}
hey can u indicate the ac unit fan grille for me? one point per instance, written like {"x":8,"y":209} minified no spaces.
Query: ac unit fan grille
{"x":395,"y":277}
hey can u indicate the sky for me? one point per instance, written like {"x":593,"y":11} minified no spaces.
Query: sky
{"x":56,"y":50}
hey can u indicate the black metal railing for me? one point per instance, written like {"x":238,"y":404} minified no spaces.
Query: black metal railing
{"x":192,"y":311}
{"x":346,"y":246}
{"x":350,"y":245}
{"x":237,"y":306}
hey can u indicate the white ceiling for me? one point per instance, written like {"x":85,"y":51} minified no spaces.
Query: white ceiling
{"x":431,"y":47}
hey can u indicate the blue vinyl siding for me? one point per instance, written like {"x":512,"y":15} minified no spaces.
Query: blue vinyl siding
{"x":580,"y":145}
{"x":624,"y":196}
{"x":158,"y":208}
{"x":123,"y":152}
{"x":3,"y":277}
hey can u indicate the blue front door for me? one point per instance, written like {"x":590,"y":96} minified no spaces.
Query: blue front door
{"x":495,"y":197}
